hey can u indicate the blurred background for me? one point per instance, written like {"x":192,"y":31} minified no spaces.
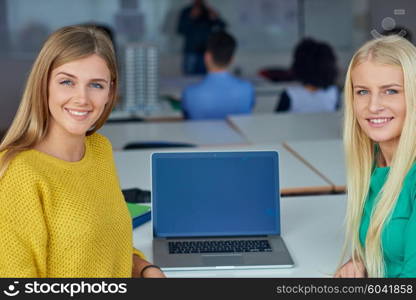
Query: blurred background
{"x":267,"y":31}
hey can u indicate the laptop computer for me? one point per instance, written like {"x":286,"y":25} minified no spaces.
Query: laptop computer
{"x":217,"y":210}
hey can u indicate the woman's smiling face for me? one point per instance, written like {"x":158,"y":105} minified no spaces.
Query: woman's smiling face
{"x":78,"y":93}
{"x":379,"y":101}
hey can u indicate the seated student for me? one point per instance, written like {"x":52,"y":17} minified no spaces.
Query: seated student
{"x":219,"y":94}
{"x":62,"y":213}
{"x":315,"y":68}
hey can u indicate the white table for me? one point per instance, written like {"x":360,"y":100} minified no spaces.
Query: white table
{"x":313,"y":236}
{"x":193,"y":132}
{"x":279,"y":127}
{"x":326,"y":157}
{"x":162,"y":112}
{"x":295,"y":177}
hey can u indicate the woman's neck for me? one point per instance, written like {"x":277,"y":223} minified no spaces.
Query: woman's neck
{"x":387,"y":151}
{"x":67,"y":147}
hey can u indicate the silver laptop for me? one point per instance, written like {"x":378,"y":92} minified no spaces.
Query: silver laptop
{"x":217,"y":210}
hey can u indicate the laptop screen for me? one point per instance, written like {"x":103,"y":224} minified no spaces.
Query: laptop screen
{"x":215,"y":194}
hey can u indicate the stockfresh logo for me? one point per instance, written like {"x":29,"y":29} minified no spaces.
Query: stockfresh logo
{"x":12,"y":290}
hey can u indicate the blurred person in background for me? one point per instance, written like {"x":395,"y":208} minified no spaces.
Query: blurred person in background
{"x":315,"y":68}
{"x":219,"y":93}
{"x":196,"y":22}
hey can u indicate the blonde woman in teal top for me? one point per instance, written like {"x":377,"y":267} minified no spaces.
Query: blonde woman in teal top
{"x":398,"y":237}
{"x":380,"y":146}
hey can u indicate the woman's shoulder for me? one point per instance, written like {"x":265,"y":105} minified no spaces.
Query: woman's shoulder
{"x":410,"y":180}
{"x":98,"y":141}
{"x":411,"y":174}
{"x":100,"y":146}
{"x":22,"y":168}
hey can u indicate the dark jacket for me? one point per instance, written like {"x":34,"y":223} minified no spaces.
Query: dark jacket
{"x":196,"y":31}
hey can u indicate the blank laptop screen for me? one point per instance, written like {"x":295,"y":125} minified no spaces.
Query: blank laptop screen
{"x":215,"y":194}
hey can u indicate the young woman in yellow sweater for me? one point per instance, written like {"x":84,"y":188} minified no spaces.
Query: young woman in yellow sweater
{"x":62,"y":213}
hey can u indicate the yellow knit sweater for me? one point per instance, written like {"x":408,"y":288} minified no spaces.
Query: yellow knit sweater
{"x":64,"y":219}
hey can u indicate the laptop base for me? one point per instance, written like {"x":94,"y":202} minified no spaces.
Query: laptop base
{"x":278,"y":258}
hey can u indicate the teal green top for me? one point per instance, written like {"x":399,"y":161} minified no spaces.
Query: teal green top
{"x":399,"y":235}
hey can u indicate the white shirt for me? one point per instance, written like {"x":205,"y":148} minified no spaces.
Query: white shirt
{"x":303,"y":100}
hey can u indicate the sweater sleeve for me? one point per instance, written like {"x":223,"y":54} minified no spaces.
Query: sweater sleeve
{"x":139,"y":253}
{"x":106,"y":141}
{"x":23,"y":231}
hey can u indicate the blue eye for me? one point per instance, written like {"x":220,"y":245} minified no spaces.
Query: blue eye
{"x":97,"y":85}
{"x":362,"y":92}
{"x":391,"y":92}
{"x":66,"y":82}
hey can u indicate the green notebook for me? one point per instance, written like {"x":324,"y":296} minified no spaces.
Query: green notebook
{"x":139,"y":213}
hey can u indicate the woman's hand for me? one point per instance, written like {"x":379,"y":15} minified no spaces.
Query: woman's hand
{"x":139,"y":264}
{"x":351,"y":270}
{"x":153,"y":273}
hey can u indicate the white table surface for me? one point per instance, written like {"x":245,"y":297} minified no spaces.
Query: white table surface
{"x":313,"y":236}
{"x":279,"y":127}
{"x":163,"y":111}
{"x":324,"y":156}
{"x":193,"y":132}
{"x":295,"y":177}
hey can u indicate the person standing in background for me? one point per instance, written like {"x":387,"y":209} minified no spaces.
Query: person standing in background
{"x":196,"y":23}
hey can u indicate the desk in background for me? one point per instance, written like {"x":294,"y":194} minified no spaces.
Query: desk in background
{"x":326,"y":157}
{"x":163,"y":112}
{"x":295,"y":177}
{"x":191,"y":132}
{"x":280,"y":127}
{"x":312,"y":228}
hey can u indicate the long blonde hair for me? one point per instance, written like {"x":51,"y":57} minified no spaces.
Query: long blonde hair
{"x":32,"y":119}
{"x":360,"y":156}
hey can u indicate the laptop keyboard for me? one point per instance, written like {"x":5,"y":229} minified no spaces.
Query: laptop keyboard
{"x":223,"y":246}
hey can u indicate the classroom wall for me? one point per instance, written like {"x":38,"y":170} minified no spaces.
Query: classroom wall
{"x":13,"y":75}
